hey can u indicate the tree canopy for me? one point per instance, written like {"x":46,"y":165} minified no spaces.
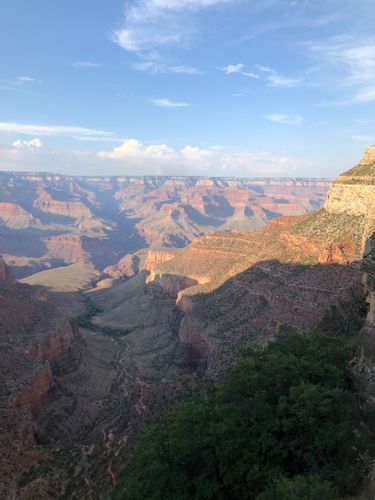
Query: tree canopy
{"x":279,"y":426}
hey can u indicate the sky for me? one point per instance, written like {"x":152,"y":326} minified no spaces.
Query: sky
{"x":247,"y":88}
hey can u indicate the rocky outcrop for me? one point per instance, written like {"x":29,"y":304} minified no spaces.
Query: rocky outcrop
{"x":353,"y":194}
{"x":36,"y":339}
{"x":74,"y":209}
{"x":14,"y":216}
{"x":58,"y":343}
{"x":169,"y":285}
{"x":6,"y":273}
{"x":34,"y":332}
{"x":143,"y":260}
{"x":34,"y":392}
{"x":68,"y":248}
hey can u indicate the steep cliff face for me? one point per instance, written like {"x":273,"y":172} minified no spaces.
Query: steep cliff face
{"x":68,"y":248}
{"x":36,"y":337}
{"x":6,"y":273}
{"x":352,"y":197}
{"x":354,"y":191}
{"x":169,"y":285}
{"x":143,"y":260}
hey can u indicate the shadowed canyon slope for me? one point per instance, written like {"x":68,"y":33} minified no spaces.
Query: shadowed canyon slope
{"x":159,"y":325}
{"x":47,"y":220}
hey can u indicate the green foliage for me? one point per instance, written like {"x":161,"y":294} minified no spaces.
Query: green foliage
{"x":301,"y":487}
{"x":91,"y":309}
{"x":346,"y":318}
{"x":330,"y":228}
{"x":280,"y":426}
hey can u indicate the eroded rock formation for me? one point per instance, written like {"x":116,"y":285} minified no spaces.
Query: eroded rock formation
{"x":6,"y":273}
{"x":74,"y":209}
{"x":35,"y":334}
{"x":14,"y":216}
{"x":118,"y":216}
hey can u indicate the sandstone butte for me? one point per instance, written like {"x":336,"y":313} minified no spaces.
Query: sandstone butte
{"x":73,"y":401}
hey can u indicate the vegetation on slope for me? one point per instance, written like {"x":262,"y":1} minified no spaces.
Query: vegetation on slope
{"x":331,"y":228}
{"x":91,"y":309}
{"x":281,"y":425}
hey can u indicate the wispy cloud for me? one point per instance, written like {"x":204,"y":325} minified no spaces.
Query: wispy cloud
{"x":270,"y":76}
{"x":239,"y":68}
{"x":159,"y":68}
{"x":286,"y":119}
{"x":145,"y":21}
{"x":20,"y":83}
{"x":352,"y":67}
{"x":167,"y":103}
{"x":27,"y":79}
{"x":50,"y":130}
{"x":197,"y":161}
{"x":274,"y":79}
{"x":31,"y":144}
{"x":86,"y":64}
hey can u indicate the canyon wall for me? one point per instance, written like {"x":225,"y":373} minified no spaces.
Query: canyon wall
{"x":49,"y":220}
{"x":35,"y":335}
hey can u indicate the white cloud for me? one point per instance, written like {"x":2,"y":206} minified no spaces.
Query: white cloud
{"x":86,"y":64}
{"x":274,"y":79}
{"x":353,"y":65}
{"x":233,"y":68}
{"x":167,"y":103}
{"x":145,"y":22}
{"x":33,"y":129}
{"x":27,"y":79}
{"x":156,"y":68}
{"x":31,"y":144}
{"x":286,"y":119}
{"x":238,"y":68}
{"x":193,"y":160}
{"x":281,"y":81}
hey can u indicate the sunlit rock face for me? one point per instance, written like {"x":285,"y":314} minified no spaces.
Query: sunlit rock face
{"x":354,"y":191}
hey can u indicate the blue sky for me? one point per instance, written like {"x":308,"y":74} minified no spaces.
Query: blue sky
{"x":200,"y":87}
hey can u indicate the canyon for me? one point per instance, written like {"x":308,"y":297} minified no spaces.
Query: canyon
{"x":184,"y":274}
{"x":49,"y":221}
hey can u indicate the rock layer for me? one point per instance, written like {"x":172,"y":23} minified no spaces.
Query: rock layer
{"x":44,"y":218}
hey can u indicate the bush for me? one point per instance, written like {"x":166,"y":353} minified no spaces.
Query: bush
{"x":91,"y":309}
{"x":279,"y":426}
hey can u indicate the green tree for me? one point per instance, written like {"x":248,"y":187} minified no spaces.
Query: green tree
{"x":280,"y":425}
